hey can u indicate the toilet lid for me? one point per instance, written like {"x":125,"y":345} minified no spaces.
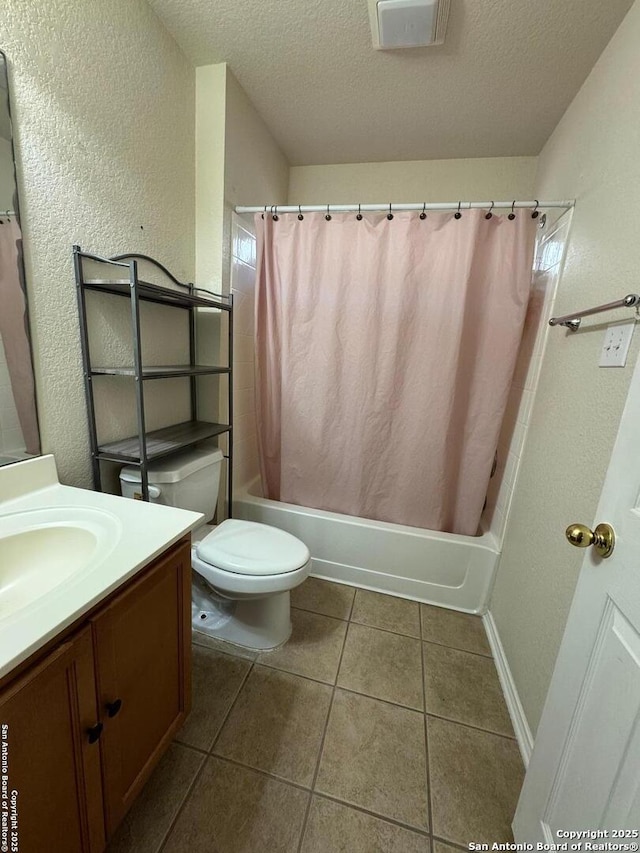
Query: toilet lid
{"x":248,"y":548}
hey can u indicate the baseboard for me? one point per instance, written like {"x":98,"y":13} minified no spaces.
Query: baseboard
{"x":514,"y":705}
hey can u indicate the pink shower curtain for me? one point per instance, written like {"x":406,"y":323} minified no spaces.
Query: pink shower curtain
{"x":385,"y":351}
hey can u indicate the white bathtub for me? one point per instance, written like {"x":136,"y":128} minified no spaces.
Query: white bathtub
{"x":437,"y":568}
{"x":7,"y":457}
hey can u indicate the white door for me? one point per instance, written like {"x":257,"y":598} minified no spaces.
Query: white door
{"x":584,"y":772}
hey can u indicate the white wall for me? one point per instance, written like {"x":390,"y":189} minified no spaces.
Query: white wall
{"x":211,"y":84}
{"x":498,"y":178}
{"x":103,"y":108}
{"x":592,"y":156}
{"x":237,"y":162}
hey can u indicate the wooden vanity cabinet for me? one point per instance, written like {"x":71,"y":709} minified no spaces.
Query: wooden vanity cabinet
{"x":142,"y":646}
{"x":50,"y":761}
{"x":88,"y":721}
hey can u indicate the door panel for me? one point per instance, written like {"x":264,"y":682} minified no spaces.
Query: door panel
{"x":614,"y":674}
{"x":142,"y":650}
{"x":584,"y":771}
{"x":51,"y":764}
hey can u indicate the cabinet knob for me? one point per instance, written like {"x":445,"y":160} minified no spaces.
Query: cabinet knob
{"x":94,"y":732}
{"x":113,"y":707}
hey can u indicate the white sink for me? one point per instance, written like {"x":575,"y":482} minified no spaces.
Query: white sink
{"x":43,"y":549}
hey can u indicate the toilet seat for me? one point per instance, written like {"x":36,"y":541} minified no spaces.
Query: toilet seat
{"x":251,"y":549}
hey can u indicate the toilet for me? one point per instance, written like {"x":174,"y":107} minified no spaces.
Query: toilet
{"x":243,"y":572}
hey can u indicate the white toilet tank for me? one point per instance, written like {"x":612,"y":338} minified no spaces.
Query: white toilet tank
{"x":187,"y":480}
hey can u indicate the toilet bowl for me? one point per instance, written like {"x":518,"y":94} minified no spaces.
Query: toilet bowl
{"x":243,"y":572}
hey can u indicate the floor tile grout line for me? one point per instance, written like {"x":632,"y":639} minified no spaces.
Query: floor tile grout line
{"x":379,"y":699}
{"x":182,"y":805}
{"x":203,"y":645}
{"x":206,"y":756}
{"x":455,"y":844}
{"x":324,"y":735}
{"x":231,"y":707}
{"x":353,"y":602}
{"x":426,"y":735}
{"x":425,"y":833}
{"x":386,"y":630}
{"x":341,"y":687}
{"x":320,"y":613}
{"x":458,"y":649}
{"x":469,"y":726}
{"x":190,"y":746}
{"x":261,"y":772}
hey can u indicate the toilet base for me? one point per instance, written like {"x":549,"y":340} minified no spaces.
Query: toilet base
{"x":256,"y":623}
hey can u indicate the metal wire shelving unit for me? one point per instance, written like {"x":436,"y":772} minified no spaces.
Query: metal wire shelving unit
{"x":122,"y":279}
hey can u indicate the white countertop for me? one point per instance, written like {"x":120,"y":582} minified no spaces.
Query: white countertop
{"x":145,"y":531}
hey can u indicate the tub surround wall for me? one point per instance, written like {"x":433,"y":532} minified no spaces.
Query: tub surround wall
{"x":243,"y":277}
{"x":105,"y":159}
{"x":546,"y":275}
{"x":592,"y":157}
{"x":478,"y":179}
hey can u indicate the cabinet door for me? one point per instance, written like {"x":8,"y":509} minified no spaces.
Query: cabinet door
{"x":142,"y":644}
{"x":46,"y":756}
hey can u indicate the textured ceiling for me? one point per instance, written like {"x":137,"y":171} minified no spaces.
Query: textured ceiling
{"x":497,"y":87}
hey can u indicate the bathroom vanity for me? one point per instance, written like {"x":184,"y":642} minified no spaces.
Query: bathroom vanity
{"x":95,"y":674}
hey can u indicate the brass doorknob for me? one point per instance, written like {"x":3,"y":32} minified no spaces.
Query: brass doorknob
{"x":603,"y":538}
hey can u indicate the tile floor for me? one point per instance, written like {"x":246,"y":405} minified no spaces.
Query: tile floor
{"x":379,"y":727}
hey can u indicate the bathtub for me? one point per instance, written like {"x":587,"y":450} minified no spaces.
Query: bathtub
{"x":9,"y":456}
{"x":437,"y":568}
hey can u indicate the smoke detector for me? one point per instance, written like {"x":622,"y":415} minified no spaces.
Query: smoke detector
{"x":408,"y":23}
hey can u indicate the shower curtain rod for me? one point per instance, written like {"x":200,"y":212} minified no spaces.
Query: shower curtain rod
{"x":370,"y":208}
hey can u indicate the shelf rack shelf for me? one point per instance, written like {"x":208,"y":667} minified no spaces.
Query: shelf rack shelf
{"x":194,"y":298}
{"x":161,"y":442}
{"x":146,"y":446}
{"x":165,"y":371}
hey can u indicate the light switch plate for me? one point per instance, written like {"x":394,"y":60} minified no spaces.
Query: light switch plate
{"x":617,"y":341}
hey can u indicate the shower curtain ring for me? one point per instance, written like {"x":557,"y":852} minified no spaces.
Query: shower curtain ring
{"x":359,"y":215}
{"x":457,"y":214}
{"x":300,"y":216}
{"x":489,"y":214}
{"x":536,"y":212}
{"x":512,"y":215}
{"x":263,"y":213}
{"x":389,"y":215}
{"x":327,"y":215}
{"x":423,"y":215}
{"x":275,"y":215}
